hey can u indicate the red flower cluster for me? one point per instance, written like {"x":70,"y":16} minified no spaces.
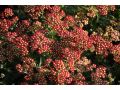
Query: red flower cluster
{"x":8,"y":12}
{"x":101,"y":46}
{"x":104,"y":9}
{"x":115,"y":50}
{"x":99,"y":76}
{"x":101,"y":72}
{"x":59,"y":72}
{"x":19,"y":42}
{"x":79,"y":79}
{"x":40,"y":43}
{"x":29,"y":39}
{"x":34,"y":11}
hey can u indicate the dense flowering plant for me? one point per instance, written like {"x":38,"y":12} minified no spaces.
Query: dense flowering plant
{"x":65,"y":45}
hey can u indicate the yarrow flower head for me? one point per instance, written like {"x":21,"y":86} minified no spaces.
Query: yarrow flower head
{"x":40,"y":43}
{"x":115,"y":50}
{"x":101,"y":46}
